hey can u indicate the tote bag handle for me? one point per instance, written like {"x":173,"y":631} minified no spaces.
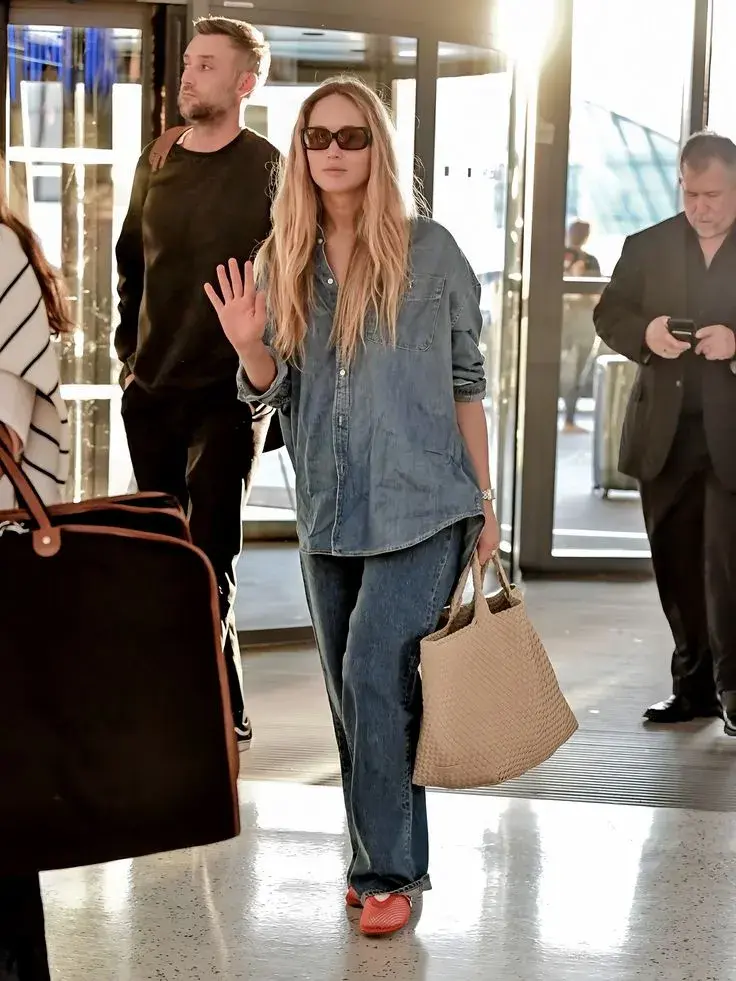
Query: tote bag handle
{"x":479,"y":575}
{"x":46,"y":538}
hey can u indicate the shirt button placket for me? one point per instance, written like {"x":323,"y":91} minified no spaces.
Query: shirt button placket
{"x":340,"y":442}
{"x":342,"y":375}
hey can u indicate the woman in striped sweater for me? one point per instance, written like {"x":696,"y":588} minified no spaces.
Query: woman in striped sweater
{"x":32,"y":310}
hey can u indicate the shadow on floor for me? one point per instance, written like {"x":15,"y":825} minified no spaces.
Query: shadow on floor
{"x":610,"y":646}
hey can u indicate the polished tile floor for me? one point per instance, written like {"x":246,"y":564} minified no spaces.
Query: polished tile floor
{"x":568,"y":876}
{"x":523,"y":891}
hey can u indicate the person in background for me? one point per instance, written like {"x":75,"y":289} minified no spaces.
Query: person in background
{"x":578,"y":333}
{"x":188,"y":433}
{"x":578,"y":262}
{"x":33,"y":419}
{"x":680,"y":429}
{"x":371,"y":354}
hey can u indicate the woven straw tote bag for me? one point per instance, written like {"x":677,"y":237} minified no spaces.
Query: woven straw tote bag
{"x":492,"y":706}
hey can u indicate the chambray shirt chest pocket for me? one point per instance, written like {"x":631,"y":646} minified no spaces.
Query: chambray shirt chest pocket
{"x":418,"y":315}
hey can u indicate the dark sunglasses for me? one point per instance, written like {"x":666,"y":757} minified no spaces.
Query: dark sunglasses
{"x":347,"y":138}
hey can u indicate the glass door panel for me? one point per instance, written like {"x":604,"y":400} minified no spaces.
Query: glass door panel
{"x":478,"y":196}
{"x":721,"y":106}
{"x":625,"y":131}
{"x":74,"y":123}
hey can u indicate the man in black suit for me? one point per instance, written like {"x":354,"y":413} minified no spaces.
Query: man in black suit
{"x":679,"y":434}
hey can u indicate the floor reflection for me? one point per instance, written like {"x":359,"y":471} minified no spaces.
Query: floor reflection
{"x":523,"y":890}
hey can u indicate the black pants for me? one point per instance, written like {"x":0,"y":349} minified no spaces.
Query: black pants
{"x":691,"y":523}
{"x":22,"y":941}
{"x":201,"y":446}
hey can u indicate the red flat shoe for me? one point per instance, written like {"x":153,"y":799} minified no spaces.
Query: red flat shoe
{"x":352,"y":899}
{"x":381,"y":917}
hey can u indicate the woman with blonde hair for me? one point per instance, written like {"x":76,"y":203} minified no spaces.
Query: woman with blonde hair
{"x":364,"y":334}
{"x":33,"y":422}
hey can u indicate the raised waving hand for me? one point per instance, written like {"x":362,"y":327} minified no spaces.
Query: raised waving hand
{"x":240,"y":307}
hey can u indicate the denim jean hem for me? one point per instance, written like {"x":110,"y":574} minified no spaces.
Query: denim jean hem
{"x":413,"y":889}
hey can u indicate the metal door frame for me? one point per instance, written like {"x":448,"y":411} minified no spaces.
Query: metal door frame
{"x":136,"y":16}
{"x":546,"y":285}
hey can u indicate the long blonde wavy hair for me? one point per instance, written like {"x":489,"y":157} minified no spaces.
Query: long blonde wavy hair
{"x":378,"y":273}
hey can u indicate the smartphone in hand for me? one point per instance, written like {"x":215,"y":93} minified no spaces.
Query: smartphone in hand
{"x":682,"y":329}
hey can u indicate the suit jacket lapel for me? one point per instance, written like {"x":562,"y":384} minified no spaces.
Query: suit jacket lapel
{"x":676,"y":272}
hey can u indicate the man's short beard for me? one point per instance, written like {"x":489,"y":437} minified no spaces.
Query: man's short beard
{"x":200,"y":112}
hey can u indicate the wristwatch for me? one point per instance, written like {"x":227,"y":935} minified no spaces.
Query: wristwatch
{"x":488,"y":495}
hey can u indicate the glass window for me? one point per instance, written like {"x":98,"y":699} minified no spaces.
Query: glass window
{"x":301,"y":59}
{"x":74,"y":100}
{"x":597,"y":509}
{"x":721,"y":105}
{"x":626,"y":116}
{"x":471,"y":184}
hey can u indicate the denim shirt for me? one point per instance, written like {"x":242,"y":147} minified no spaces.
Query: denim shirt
{"x":379,"y":459}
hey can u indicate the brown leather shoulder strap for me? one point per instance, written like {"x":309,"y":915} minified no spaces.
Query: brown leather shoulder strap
{"x":163,"y":146}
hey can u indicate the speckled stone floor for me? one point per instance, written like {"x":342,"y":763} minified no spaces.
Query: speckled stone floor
{"x":523,"y":891}
{"x":594,"y":883}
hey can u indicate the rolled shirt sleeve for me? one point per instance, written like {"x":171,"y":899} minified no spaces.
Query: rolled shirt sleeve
{"x":279,"y":394}
{"x":468,"y":373}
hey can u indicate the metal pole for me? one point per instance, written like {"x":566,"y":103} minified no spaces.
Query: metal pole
{"x":426,"y":110}
{"x":696,"y":100}
{"x":545,"y":207}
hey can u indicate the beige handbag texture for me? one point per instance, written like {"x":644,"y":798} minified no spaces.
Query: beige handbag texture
{"x":492,"y":706}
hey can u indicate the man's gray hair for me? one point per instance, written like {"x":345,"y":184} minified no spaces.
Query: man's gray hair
{"x":701,"y":149}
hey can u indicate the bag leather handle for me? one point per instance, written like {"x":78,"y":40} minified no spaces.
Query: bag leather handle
{"x":479,"y":575}
{"x":46,"y":538}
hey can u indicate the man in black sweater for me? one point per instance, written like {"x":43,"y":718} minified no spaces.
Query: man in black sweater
{"x":680,"y":428}
{"x":188,"y":433}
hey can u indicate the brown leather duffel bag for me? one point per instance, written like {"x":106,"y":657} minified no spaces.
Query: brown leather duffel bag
{"x":116,"y":737}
